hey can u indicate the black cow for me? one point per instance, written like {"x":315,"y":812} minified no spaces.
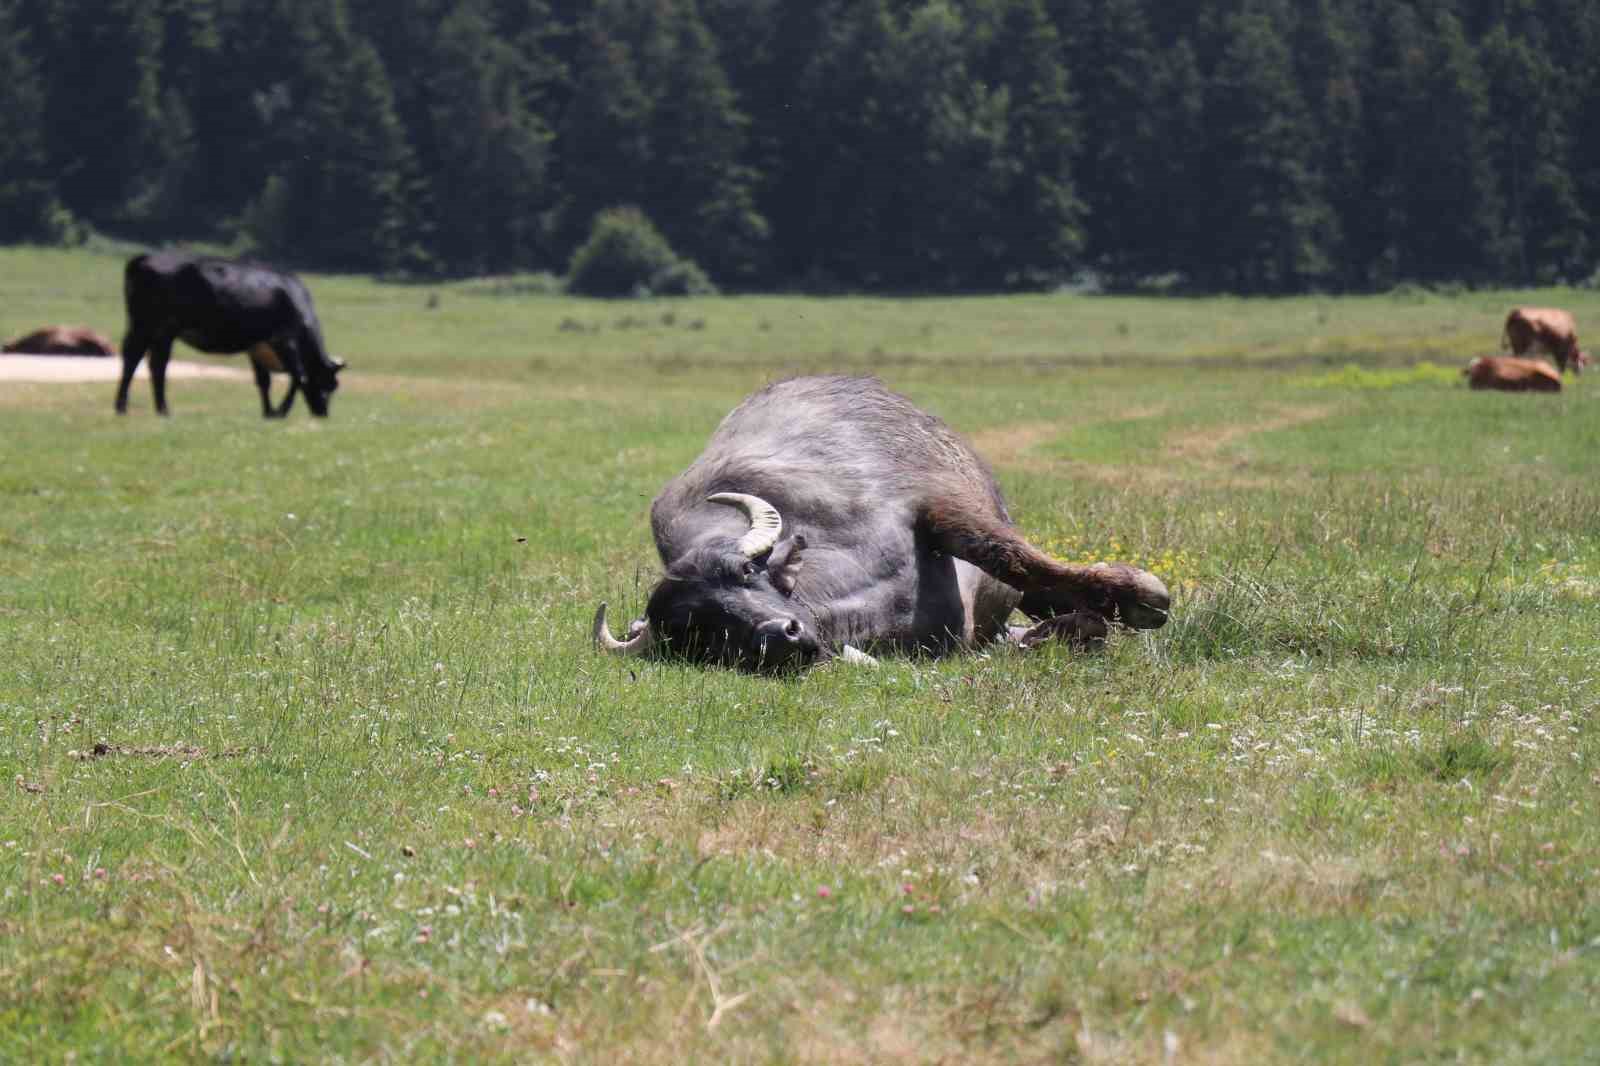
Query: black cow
{"x":225,"y":306}
{"x":829,"y":512}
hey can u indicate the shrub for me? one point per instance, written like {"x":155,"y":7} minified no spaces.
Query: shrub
{"x":683,"y":278}
{"x":626,"y":255}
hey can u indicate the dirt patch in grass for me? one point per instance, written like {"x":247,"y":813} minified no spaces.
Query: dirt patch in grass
{"x":187,"y":752}
{"x":1016,"y":448}
{"x":1206,"y":444}
{"x":1014,"y":445}
{"x":67,"y":369}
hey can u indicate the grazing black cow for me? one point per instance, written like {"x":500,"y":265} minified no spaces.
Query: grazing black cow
{"x":225,"y":306}
{"x":828,"y":512}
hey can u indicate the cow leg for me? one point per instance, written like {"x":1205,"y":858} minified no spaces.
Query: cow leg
{"x":264,"y":385}
{"x":1049,"y":588}
{"x":134,"y":344}
{"x":288,"y":399}
{"x":289,"y":356}
{"x":160,"y":352}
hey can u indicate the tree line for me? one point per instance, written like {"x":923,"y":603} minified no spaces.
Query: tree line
{"x":891,"y":145}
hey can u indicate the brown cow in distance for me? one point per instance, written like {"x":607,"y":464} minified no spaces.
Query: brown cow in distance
{"x":1548,"y":328}
{"x":1510,"y":374}
{"x":61,"y":340}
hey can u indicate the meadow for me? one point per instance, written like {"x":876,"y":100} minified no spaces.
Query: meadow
{"x":309,"y":758}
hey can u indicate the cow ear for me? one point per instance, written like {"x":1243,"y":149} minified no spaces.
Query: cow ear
{"x":783,"y":565}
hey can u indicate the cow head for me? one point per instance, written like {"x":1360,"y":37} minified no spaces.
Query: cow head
{"x":322,"y":378}
{"x":730,"y":600}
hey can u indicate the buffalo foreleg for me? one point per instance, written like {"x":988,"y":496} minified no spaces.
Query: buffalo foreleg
{"x":288,"y":397}
{"x":1049,"y":587}
{"x":264,"y":386}
{"x":289,"y":361}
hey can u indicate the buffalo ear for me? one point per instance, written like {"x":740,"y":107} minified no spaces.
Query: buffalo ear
{"x":783,"y":565}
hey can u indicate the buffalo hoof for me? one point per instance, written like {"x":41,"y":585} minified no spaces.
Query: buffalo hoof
{"x":1081,"y":629}
{"x":1141,"y":599}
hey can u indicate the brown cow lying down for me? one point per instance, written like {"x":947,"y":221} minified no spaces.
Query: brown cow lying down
{"x":1511,"y":374}
{"x":1548,"y":329}
{"x":61,"y":340}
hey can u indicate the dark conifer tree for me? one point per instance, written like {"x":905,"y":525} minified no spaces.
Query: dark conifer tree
{"x":26,"y":195}
{"x":1435,"y":189}
{"x":1112,"y":56}
{"x":1270,"y":226}
{"x":489,"y":187}
{"x":1033,"y":231}
{"x":112,"y":138}
{"x":653,"y":123}
{"x":1530,"y":108}
{"x":336,"y":194}
{"x":1330,"y":59}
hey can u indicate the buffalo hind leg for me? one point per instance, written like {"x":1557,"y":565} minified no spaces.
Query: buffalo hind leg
{"x":1049,"y":588}
{"x":160,"y":353}
{"x":134,"y":344}
{"x":1081,"y":629}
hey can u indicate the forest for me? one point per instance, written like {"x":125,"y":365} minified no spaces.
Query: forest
{"x":1249,"y":146}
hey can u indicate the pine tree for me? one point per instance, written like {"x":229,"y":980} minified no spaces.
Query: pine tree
{"x":1112,"y":55}
{"x":26,"y":196}
{"x":1528,"y":111}
{"x":1270,"y":226}
{"x":1033,"y":231}
{"x":337,"y":194}
{"x":1330,"y":51}
{"x":653,"y":123}
{"x":488,"y":172}
{"x":111,"y":136}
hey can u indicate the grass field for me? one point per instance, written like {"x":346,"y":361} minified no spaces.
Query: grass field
{"x":308,"y":757}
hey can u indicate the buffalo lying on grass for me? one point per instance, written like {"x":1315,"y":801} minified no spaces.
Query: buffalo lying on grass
{"x":829,"y":512}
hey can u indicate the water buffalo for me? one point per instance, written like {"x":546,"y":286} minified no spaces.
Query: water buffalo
{"x":60,"y":340}
{"x":830,"y":512}
{"x":225,"y":306}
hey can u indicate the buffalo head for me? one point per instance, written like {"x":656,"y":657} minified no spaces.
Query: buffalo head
{"x":730,"y":600}
{"x":322,"y":378}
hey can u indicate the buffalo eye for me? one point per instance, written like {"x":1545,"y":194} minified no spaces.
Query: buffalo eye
{"x":749,"y":572}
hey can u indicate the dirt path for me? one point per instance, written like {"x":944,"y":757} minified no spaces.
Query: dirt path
{"x":1013,"y":447}
{"x":1207,"y":443}
{"x":42,"y":369}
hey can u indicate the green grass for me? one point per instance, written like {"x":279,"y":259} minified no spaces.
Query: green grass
{"x":309,"y":758}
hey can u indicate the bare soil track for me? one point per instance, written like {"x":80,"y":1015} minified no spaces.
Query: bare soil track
{"x":43,"y":369}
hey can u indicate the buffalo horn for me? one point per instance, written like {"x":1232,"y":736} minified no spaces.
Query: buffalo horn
{"x":637,"y":644}
{"x":765,"y":521}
